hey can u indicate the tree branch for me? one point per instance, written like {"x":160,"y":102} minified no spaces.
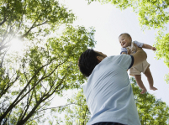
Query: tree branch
{"x":33,"y":26}
{"x":4,"y":17}
{"x":17,"y":100}
{"x":62,"y":106}
{"x":26,"y":107}
{"x":21,"y":122}
{"x":9,"y":84}
{"x":3,"y":21}
{"x":43,"y":98}
{"x":35,"y":118}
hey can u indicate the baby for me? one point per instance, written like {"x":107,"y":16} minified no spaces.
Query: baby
{"x":128,"y":47}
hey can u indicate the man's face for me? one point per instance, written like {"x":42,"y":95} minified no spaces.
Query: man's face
{"x":125,"y":40}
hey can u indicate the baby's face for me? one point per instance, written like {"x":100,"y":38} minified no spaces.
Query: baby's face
{"x":125,"y":40}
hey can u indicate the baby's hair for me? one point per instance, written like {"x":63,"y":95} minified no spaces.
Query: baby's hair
{"x":125,"y":34}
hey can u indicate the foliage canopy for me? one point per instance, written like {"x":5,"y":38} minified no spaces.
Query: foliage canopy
{"x":49,"y":66}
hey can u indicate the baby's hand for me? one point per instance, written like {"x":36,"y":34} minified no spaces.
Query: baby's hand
{"x":153,"y":48}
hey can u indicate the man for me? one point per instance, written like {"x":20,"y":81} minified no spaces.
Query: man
{"x":108,"y":91}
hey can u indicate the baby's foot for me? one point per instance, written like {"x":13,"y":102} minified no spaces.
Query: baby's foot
{"x":153,"y":88}
{"x":143,"y":91}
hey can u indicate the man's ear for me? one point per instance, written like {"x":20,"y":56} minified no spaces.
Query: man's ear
{"x":99,"y":58}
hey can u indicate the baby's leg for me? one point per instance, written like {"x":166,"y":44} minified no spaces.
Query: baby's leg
{"x":150,"y":79}
{"x":140,"y":83}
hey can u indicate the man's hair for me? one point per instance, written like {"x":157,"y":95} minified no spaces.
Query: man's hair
{"x":87,"y":62}
{"x":125,"y":34}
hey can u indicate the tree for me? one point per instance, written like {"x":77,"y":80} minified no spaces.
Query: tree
{"x":162,"y":45}
{"x":151,"y":111}
{"x":43,"y":72}
{"x":76,"y":111}
{"x":151,"y":14}
{"x":30,"y":19}
{"x":49,"y":65}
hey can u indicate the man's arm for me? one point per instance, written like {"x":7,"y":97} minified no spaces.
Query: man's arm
{"x":139,"y":56}
{"x":146,"y":46}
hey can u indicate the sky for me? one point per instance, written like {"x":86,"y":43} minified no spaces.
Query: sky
{"x":109,"y":22}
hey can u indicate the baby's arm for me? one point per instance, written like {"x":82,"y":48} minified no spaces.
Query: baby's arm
{"x":123,"y":53}
{"x":146,"y":46}
{"x":126,"y":51}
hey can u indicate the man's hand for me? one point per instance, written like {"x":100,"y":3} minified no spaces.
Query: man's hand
{"x":138,"y":48}
{"x":128,"y":51}
{"x":139,"y":56}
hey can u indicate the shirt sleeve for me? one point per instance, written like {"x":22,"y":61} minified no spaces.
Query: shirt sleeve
{"x":123,"y":50}
{"x":132,"y":61}
{"x":126,"y":61}
{"x":138,"y":43}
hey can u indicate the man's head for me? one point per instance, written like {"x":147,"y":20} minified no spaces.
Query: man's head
{"x":88,"y":60}
{"x":125,"y":40}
